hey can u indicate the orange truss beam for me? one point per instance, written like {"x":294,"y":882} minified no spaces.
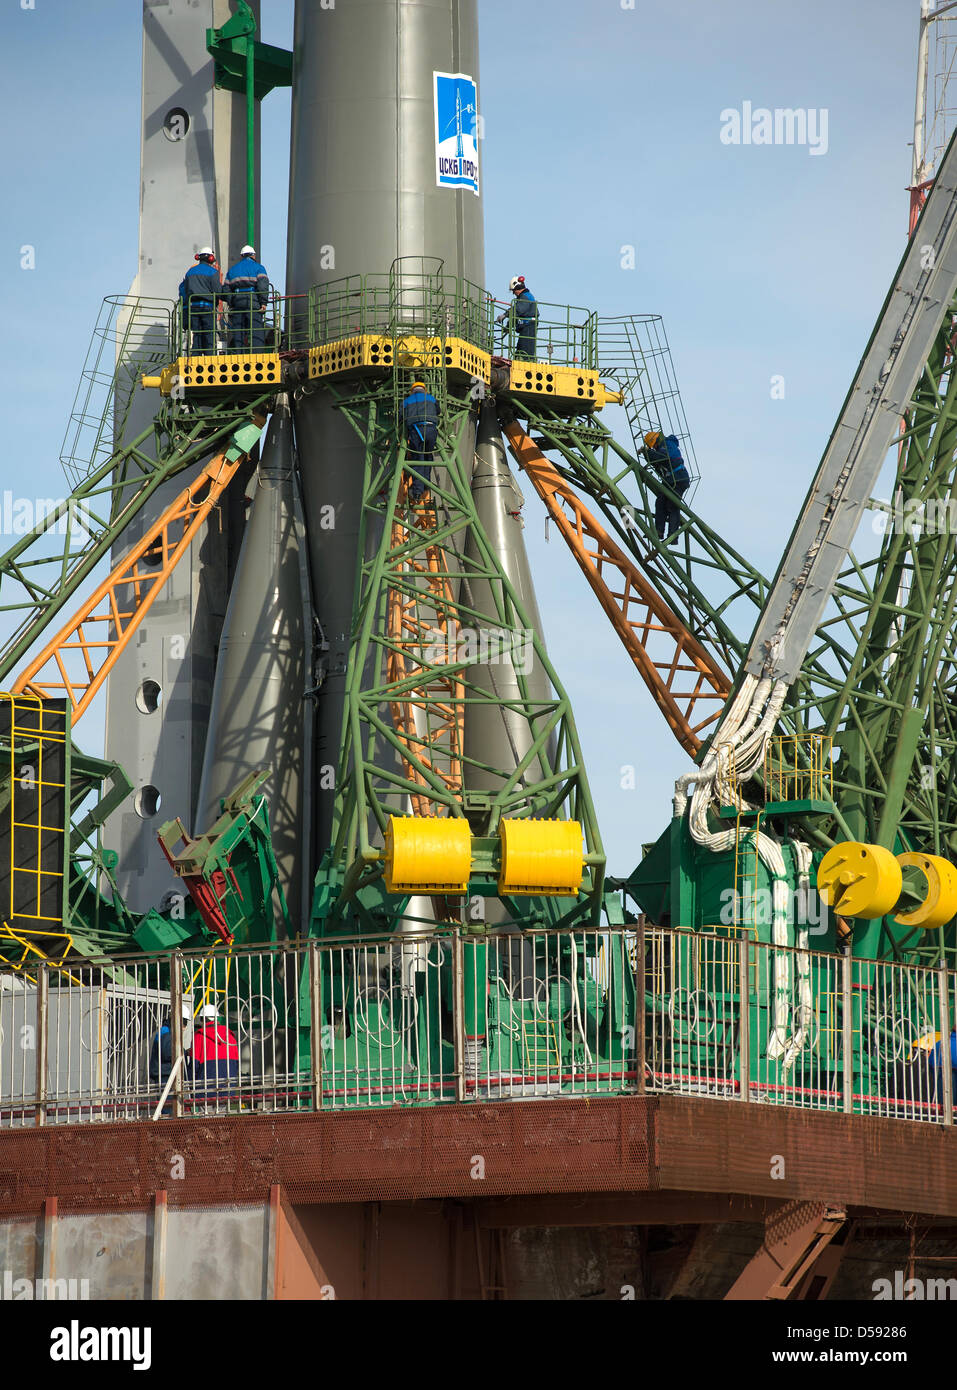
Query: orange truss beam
{"x":687,"y":684}
{"x":429,"y":718}
{"x":77,"y":661}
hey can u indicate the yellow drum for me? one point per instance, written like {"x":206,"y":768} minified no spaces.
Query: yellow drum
{"x":541,"y":857}
{"x":859,"y":880}
{"x":426,"y":854}
{"x":940,"y":904}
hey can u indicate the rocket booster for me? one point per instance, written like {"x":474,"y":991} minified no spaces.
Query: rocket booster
{"x":363,"y":192}
{"x":494,"y":733}
{"x":257,"y":709}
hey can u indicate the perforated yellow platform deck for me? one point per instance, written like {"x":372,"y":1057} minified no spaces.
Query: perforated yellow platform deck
{"x":373,"y":354}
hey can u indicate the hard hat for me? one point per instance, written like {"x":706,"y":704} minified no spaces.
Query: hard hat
{"x":418,"y":386}
{"x":651,"y":437}
{"x":209,"y":1011}
{"x":248,"y":250}
{"x":515,"y":282}
{"x":187,"y":1014}
{"x":205,"y":251}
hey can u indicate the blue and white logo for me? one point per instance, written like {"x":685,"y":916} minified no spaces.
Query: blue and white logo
{"x":456,"y":139}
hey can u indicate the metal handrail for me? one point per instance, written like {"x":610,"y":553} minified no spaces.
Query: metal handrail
{"x":551,"y":1012}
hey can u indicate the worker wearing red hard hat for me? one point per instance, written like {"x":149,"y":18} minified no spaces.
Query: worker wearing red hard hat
{"x":200,"y":293}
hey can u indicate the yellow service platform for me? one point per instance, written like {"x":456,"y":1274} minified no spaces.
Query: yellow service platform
{"x":219,"y":372}
{"x":370,"y":353}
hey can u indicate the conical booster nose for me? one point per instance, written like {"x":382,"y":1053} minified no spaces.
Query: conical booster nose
{"x":277,"y":451}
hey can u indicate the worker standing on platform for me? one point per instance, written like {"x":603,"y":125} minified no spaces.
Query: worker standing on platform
{"x":420,"y":411}
{"x":663,"y":453}
{"x":523,"y":312}
{"x":215,"y":1056}
{"x":200,"y":292}
{"x":247,"y":294}
{"x":160,"y":1062}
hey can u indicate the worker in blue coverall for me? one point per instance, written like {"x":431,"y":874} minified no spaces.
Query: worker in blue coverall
{"x":160,"y":1061}
{"x":200,"y":293}
{"x":663,"y":453}
{"x":524,"y":317}
{"x":247,"y":293}
{"x":420,"y":412}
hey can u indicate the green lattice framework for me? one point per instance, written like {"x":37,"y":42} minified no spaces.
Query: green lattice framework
{"x":881,"y":676}
{"x":43,"y":571}
{"x":373,"y":780}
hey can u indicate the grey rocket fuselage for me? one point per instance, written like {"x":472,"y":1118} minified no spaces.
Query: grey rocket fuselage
{"x":363,"y":192}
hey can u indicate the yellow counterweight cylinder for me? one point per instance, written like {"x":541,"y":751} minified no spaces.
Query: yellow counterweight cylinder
{"x":940,"y":904}
{"x":859,"y":880}
{"x":541,"y":857}
{"x":427,"y":854}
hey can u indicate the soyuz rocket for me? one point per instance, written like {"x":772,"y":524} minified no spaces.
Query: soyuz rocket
{"x":365,"y":188}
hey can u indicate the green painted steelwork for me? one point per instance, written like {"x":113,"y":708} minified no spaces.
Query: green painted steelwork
{"x":372,"y":784}
{"x":44,"y":569}
{"x":234,"y":863}
{"x":243,"y":64}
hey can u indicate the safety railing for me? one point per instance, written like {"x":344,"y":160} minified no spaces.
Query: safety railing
{"x":395,"y":305}
{"x":798,"y":767}
{"x":445,"y":1017}
{"x":232,"y":323}
{"x":559,"y":334}
{"x":133,"y":335}
{"x":409,"y":302}
{"x":634,"y":354}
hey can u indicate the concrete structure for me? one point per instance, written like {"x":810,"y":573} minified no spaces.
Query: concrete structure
{"x":670,"y":1195}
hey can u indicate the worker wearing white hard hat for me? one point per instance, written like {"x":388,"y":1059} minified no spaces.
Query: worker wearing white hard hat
{"x":247,"y":294}
{"x":215,"y":1056}
{"x":523,"y":316}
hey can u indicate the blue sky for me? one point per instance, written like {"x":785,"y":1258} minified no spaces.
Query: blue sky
{"x":763,"y":260}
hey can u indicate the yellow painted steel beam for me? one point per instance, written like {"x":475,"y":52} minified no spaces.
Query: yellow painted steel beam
{"x":105,"y":623}
{"x":687,"y":684}
{"x":369,"y":352}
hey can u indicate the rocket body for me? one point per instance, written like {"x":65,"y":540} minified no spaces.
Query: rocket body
{"x":363,"y":191}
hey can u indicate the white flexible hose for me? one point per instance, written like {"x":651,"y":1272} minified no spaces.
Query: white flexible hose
{"x":744,"y":733}
{"x":576,"y":1004}
{"x":802,"y":962}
